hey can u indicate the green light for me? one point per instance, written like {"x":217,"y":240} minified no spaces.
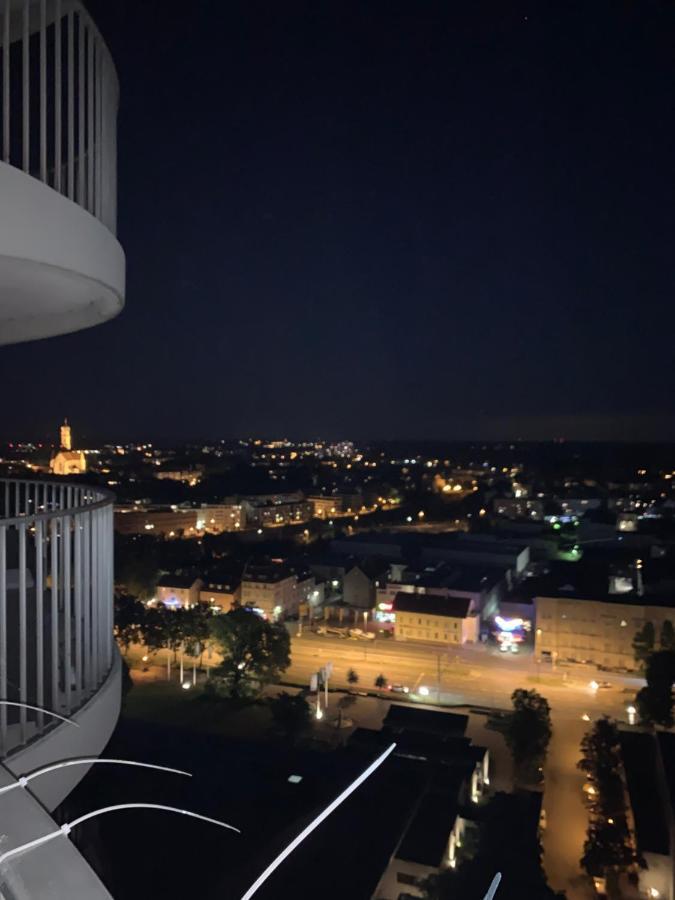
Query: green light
{"x":557,"y":526}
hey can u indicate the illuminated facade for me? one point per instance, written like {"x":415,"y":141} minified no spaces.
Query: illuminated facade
{"x":595,"y":631}
{"x":67,"y":461}
{"x":444,"y":620}
{"x":271,"y":590}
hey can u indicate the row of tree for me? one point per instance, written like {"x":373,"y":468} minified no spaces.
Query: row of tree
{"x":644,"y":642}
{"x":607,"y":850}
{"x":254,"y":652}
{"x":655,"y":700}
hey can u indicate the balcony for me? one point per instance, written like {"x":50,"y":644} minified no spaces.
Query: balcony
{"x":56,"y":628}
{"x":61,"y":267}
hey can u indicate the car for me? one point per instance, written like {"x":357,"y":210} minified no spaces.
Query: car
{"x":399,"y":688}
{"x":542,"y":820}
{"x":605,"y":685}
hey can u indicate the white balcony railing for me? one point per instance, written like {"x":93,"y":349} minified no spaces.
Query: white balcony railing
{"x":56,"y":602}
{"x":59,"y":101}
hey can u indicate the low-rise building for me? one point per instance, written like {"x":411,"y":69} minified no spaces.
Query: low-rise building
{"x":164,"y":521}
{"x":649,"y":772}
{"x":597,"y":629}
{"x":271,"y":590}
{"x":434,"y":619}
{"x":361,"y":582}
{"x":222,"y":596}
{"x":218,"y":517}
{"x":179,"y":591}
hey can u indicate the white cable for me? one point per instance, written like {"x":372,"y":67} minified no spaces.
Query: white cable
{"x":24,"y":779}
{"x":38,"y":709}
{"x":494,"y":884}
{"x":66,"y":829}
{"x":314,"y":824}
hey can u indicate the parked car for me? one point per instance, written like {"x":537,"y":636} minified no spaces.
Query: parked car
{"x":399,"y":688}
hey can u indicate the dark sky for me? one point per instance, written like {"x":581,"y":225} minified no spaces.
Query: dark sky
{"x":381,"y":220}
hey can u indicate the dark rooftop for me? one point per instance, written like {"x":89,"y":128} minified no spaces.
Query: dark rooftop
{"x":427,"y":720}
{"x":426,"y":838}
{"x":640,"y":752}
{"x":432,"y":605}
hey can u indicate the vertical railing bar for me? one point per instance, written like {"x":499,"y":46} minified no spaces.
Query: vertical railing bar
{"x":77,"y":519}
{"x":3,"y":638}
{"x":71,"y":105}
{"x":23,"y":649}
{"x":54,"y":624}
{"x":90,"y":121}
{"x":43,"y":90}
{"x":5,"y":85}
{"x":87,"y":602}
{"x":81,"y":155}
{"x":67,"y":650}
{"x":39,"y":622}
{"x":58,"y":88}
{"x":25,"y":60}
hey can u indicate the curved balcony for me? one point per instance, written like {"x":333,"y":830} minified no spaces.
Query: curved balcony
{"x":61,"y":267}
{"x":57,"y":648}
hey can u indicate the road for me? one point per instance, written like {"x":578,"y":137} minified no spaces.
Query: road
{"x":482,"y":676}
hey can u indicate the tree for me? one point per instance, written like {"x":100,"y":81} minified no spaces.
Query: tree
{"x":667,"y":639}
{"x":607,"y":849}
{"x":655,"y":701}
{"x":253,"y":649}
{"x":380,"y":682}
{"x":527,"y":734}
{"x":643,"y":643}
{"x":352,"y":677}
{"x":137,"y":564}
{"x":292,"y":716}
{"x":197,"y":629}
{"x":129,"y":615}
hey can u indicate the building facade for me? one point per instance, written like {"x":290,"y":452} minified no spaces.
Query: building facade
{"x":270,"y":590}
{"x":599,"y":631}
{"x":432,"y":619}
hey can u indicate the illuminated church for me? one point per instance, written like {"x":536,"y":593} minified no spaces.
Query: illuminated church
{"x":67,"y":461}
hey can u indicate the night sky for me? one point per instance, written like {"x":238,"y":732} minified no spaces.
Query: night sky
{"x":381,"y":220}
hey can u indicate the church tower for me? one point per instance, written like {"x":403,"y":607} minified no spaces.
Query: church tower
{"x":66,"y":440}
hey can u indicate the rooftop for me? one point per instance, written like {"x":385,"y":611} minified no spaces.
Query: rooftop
{"x":640,"y":752}
{"x":432,"y":605}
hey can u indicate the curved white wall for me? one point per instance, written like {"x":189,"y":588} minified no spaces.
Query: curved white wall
{"x":97,"y":720}
{"x":61,"y":270}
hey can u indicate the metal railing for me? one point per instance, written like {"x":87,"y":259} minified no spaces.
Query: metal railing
{"x":59,"y":101}
{"x":56,"y":602}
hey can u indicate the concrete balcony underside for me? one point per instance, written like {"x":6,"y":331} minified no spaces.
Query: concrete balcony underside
{"x":61,"y":270}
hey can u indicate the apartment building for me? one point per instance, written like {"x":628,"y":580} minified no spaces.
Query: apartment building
{"x":271,"y":590}
{"x":434,"y":619}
